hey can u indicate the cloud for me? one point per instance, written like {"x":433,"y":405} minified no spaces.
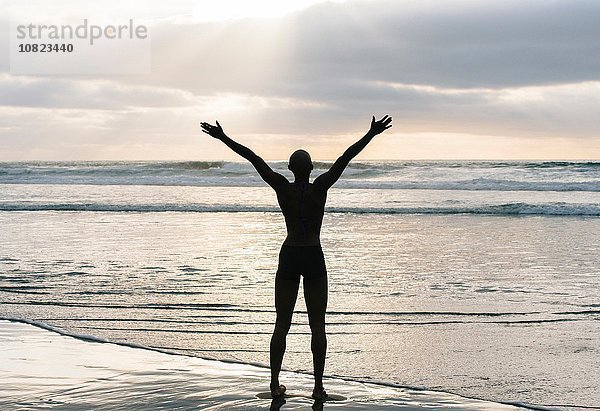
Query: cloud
{"x":314,"y":52}
{"x":454,"y":64}
{"x":503,"y":68}
{"x":458,"y":44}
{"x":28,"y":91}
{"x":552,"y":110}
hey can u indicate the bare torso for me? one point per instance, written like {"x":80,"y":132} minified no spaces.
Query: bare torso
{"x":303,"y":206}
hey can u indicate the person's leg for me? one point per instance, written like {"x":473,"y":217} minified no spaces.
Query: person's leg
{"x":315,"y":295}
{"x":286,"y":292}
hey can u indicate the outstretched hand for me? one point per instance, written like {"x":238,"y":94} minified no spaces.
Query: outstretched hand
{"x":379,"y":126}
{"x":213,"y":131}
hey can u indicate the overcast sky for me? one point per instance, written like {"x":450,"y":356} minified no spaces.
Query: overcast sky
{"x":484,"y":79}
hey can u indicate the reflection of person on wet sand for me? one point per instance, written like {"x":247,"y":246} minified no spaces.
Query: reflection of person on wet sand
{"x":302,"y":204}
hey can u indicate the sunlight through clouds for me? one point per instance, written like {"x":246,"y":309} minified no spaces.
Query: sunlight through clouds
{"x":206,"y":10}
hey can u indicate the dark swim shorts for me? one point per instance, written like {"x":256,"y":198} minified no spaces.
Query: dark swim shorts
{"x":307,"y":261}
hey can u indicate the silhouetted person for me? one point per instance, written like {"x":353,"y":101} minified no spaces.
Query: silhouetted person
{"x":303,"y":205}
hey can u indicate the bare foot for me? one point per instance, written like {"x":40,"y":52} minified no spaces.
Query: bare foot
{"x":319,"y":394}
{"x":278,"y":391}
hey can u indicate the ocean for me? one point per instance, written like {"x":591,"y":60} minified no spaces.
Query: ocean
{"x":480,"y":278}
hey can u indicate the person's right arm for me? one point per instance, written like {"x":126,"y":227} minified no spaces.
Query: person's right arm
{"x":327,"y":179}
{"x":267,"y":174}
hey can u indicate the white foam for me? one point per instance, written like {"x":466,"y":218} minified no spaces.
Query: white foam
{"x":475,"y":176}
{"x":520,"y":208}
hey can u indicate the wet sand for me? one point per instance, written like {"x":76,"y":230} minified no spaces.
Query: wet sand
{"x":42,"y":369}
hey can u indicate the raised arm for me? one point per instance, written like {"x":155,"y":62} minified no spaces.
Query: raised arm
{"x":327,"y":179}
{"x":271,"y":177}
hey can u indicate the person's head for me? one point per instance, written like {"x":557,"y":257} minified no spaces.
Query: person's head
{"x":300,"y":164}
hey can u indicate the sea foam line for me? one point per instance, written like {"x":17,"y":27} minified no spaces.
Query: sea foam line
{"x":235,"y":308}
{"x":350,"y":182}
{"x":509,"y":209}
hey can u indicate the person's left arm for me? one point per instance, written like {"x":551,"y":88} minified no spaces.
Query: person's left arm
{"x":266,"y":173}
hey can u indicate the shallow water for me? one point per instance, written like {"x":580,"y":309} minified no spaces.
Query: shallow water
{"x":492,"y":307}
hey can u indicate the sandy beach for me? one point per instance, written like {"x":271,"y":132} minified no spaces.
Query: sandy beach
{"x":42,"y":369}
